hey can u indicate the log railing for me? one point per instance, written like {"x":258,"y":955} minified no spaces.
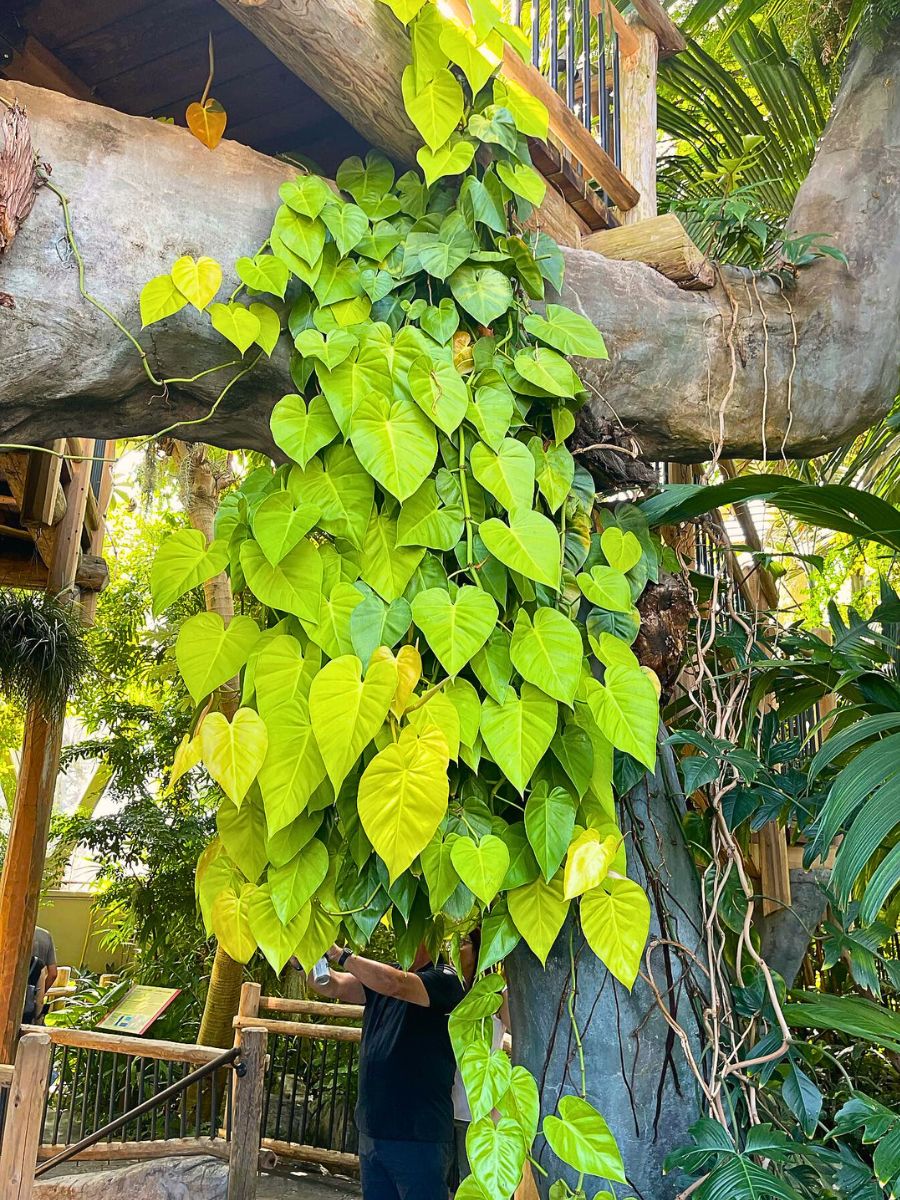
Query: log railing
{"x":22,"y":1090}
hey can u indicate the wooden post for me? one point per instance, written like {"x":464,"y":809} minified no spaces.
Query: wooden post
{"x":247,"y":1117}
{"x":23,"y":867}
{"x":638,"y":84}
{"x":25,"y":1108}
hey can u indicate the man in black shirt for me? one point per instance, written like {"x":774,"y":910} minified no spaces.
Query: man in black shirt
{"x":406,"y":1068}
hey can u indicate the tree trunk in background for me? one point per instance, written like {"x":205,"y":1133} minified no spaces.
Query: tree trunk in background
{"x":636,"y":1073}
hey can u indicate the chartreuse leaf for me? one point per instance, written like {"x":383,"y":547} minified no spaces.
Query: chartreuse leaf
{"x":306,"y":195}
{"x":438,"y":712}
{"x":198,"y":281}
{"x":294,"y":585}
{"x":231,"y":922}
{"x":588,"y":861}
{"x":184,"y":561}
{"x":496,"y":1155}
{"x":209,"y":653}
{"x":269,"y":326}
{"x":332,"y":632}
{"x":454,"y":157}
{"x":486,"y":1076}
{"x":293,"y":767}
{"x":404,"y":10}
{"x":554,"y":470}
{"x":281,"y":668}
{"x":492,"y":665}
{"x":615,"y":918}
{"x":549,"y":822}
{"x":403,"y":796}
{"x":374,"y":624}
{"x":408,"y":661}
{"x":302,"y":429}
{"x":319,"y":935}
{"x":521,"y":1102}
{"x":439,"y":871}
{"x":395,"y":442}
{"x":278,"y":526}
{"x":621,"y":550}
{"x":481,"y":865}
{"x":288,"y":842}
{"x":429,"y":519}
{"x":435,"y":109}
{"x":566,"y":331}
{"x":476,"y":61}
{"x":293,"y":885}
{"x":340,"y":488}
{"x":346,"y":223}
{"x":607,"y":587}
{"x":160,"y":298}
{"x":484,"y":293}
{"x":491,"y":412}
{"x":530,"y":115}
{"x":384,"y":565}
{"x":243,"y":834}
{"x":612,"y":651}
{"x":237,"y":324}
{"x":441,"y":251}
{"x":626,"y":709}
{"x":499,"y":937}
{"x":263,"y":273}
{"x":458,"y":628}
{"x":330,"y":350}
{"x":518,"y":732}
{"x":440,"y":391}
{"x":441,"y":320}
{"x":539,"y":910}
{"x":548,"y":371}
{"x":277,"y":940}
{"x":581,"y":1138}
{"x":529,"y":544}
{"x":523,"y":180}
{"x":464,"y":698}
{"x":348,"y":710}
{"x":547,"y":651}
{"x":215,"y":873}
{"x":234,"y":751}
{"x":507,"y":474}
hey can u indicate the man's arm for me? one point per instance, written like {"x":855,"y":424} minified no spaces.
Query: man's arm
{"x":52,"y":972}
{"x":379,"y":977}
{"x":341,"y":987}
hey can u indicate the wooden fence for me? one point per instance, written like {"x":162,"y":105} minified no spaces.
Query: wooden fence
{"x":22,"y":1089}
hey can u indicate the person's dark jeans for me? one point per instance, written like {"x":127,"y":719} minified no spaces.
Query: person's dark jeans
{"x":392,"y":1170}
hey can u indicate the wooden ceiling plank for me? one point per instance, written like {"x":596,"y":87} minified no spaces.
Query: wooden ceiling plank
{"x":37,"y":65}
{"x":14,"y":469}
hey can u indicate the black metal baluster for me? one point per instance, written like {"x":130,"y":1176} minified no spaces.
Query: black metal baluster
{"x":111,"y":1109}
{"x":536,"y":34}
{"x":269,"y":1080}
{"x":99,"y":1095}
{"x":73,"y":1093}
{"x":60,"y":1092}
{"x":570,"y":55}
{"x":47,"y":1095}
{"x":320,"y":1092}
{"x":617,"y":104}
{"x":517,"y":12}
{"x":351,"y":1062}
{"x":183,"y":1123}
{"x":553,"y":65}
{"x":602,"y":95}
{"x":338,"y":1046}
{"x":293,"y":1109}
{"x":307,"y":1090}
{"x":167,"y":1109}
{"x":284,"y":1069}
{"x":587,"y":70}
{"x":84,"y":1096}
{"x":142,"y":1078}
{"x":155,"y":1083}
{"x":213,"y":1105}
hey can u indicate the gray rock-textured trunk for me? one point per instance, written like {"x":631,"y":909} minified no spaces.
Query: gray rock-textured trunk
{"x":686,"y":370}
{"x":189,"y":1178}
{"x":636,"y":1073}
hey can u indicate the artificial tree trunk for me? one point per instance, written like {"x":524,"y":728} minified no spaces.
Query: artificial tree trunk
{"x":687,"y":371}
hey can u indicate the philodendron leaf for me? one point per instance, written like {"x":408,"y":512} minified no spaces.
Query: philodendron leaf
{"x":439,"y":871}
{"x":486,"y":1076}
{"x":198,"y":281}
{"x":607,"y":587}
{"x":347,"y":710}
{"x":626,"y":709}
{"x":521,"y":1102}
{"x":238,"y":324}
{"x":281,"y":665}
{"x":481,"y":865}
{"x":263,"y":273}
{"x":231,"y":922}
{"x":395,"y":442}
{"x":294,"y":585}
{"x":549,"y":822}
{"x":547,"y":651}
{"x":518,"y":732}
{"x":436,"y":109}
{"x":440,"y":391}
{"x":566,"y":331}
{"x":332,"y":632}
{"x":615,"y":918}
{"x":209,"y":653}
{"x":438,"y":712}
{"x":621,"y":550}
{"x":455,"y":629}
{"x":278,"y":940}
{"x":507,"y":474}
{"x":234,"y":751}
{"x":483,"y":292}
{"x":340,"y":488}
{"x":243,"y":834}
{"x":375,"y":624}
{"x":301,"y":430}
{"x":403,"y":796}
{"x":384,"y":565}
{"x":278,"y":526}
{"x":184,"y":561}
{"x":450,"y":159}
{"x":491,"y":412}
{"x":293,"y":766}
{"x":160,"y":298}
{"x":496,"y":1155}
{"x":548,"y":371}
{"x":292,"y":886}
{"x":426,"y":520}
{"x":581,"y":1138}
{"x":529,"y":544}
{"x":539,"y":910}
{"x":588,"y":861}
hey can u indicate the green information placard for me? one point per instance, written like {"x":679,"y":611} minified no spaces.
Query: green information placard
{"x":137,"y":1011}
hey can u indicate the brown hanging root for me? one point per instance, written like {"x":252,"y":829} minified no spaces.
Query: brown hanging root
{"x":19,"y":176}
{"x":729,"y":391}
{"x":765,"y":403}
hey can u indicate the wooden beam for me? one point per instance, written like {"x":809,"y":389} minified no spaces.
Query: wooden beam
{"x":27,"y":571}
{"x":654,"y":16}
{"x":14,"y":467}
{"x":627,"y":40}
{"x":243,"y":1165}
{"x":22,"y":1131}
{"x":122,"y":1043}
{"x":638,"y":98}
{"x":36,"y":65}
{"x":44,"y":502}
{"x":116,"y":1151}
{"x":301,"y":1029}
{"x":660,"y":242}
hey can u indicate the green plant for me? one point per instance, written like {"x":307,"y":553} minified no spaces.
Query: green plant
{"x":43,"y":653}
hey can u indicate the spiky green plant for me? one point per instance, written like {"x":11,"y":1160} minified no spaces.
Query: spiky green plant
{"x":43,"y":652}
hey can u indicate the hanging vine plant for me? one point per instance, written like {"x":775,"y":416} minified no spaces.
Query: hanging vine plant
{"x":439,"y":695}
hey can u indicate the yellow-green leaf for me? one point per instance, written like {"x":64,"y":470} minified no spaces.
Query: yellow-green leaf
{"x":160,"y":298}
{"x":588,"y":862}
{"x":233,"y":752}
{"x":347,"y":710}
{"x":539,"y":910}
{"x":615,"y":918}
{"x":198,"y":281}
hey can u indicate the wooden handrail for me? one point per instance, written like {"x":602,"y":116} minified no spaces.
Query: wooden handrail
{"x":564,"y":125}
{"x":7,"y":1074}
{"x":116,"y":1043}
{"x":312,"y":1008}
{"x":327,"y":1033}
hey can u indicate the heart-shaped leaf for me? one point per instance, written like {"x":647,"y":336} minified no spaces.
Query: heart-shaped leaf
{"x":347,"y":710}
{"x":234,"y":751}
{"x":485,"y":1074}
{"x":303,"y":236}
{"x":554,"y":470}
{"x":616,"y":920}
{"x":521,"y":1102}
{"x":455,"y":629}
{"x":440,"y":391}
{"x":301,"y":431}
{"x":278,"y":526}
{"x":209,"y":653}
{"x":626,"y":709}
{"x":441,"y":251}
{"x":332,"y":632}
{"x":496,"y":1155}
{"x":231,"y":922}
{"x":263,"y":273}
{"x":403,"y":797}
{"x":160,"y":298}
{"x":529,"y":544}
{"x":346,"y":223}
{"x":294,"y":585}
{"x":330,"y":351}
{"x":340,"y":488}
{"x":294,"y":884}
{"x":184,"y":561}
{"x":476,"y":60}
{"x":269,"y":326}
{"x":293,"y":766}
{"x":492,"y":665}
{"x":375,"y":624}
{"x":206,"y":122}
{"x":198,"y":281}
{"x":607,"y":587}
{"x":539,"y":910}
{"x":236,"y":323}
{"x":491,"y":412}
{"x":441,"y":321}
{"x":581,"y":1138}
{"x":566,"y":331}
{"x":438,"y":712}
{"x":507,"y":474}
{"x":395,"y":442}
{"x":621,"y":550}
{"x":434,"y":515}
{"x":588,"y":862}
{"x":481,"y":865}
{"x":243,"y":833}
{"x":547,"y":651}
{"x":383,"y":564}
{"x":523,"y":180}
{"x":281,"y":665}
{"x":452,"y":158}
{"x":548,"y":371}
{"x":484,"y":293}
{"x":437,"y":108}
{"x":276,"y":939}
{"x":306,"y":195}
{"x":549,"y":822}
{"x":518,"y":732}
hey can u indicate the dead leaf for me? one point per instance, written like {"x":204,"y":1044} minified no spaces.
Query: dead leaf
{"x":207,"y":122}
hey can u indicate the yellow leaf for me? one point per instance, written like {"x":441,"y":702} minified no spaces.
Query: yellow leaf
{"x":408,"y":662}
{"x":233,"y":753}
{"x":198,"y":281}
{"x":588,"y":861}
{"x":186,"y":756}
{"x":207,"y":122}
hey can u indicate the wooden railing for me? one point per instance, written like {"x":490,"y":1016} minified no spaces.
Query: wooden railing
{"x":22,"y":1090}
